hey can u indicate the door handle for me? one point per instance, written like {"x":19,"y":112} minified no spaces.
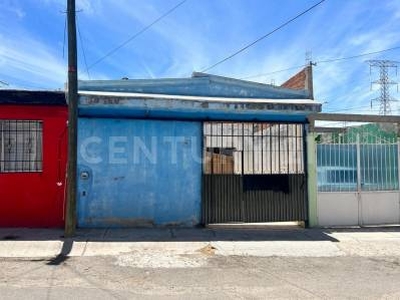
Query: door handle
{"x":84,"y":175}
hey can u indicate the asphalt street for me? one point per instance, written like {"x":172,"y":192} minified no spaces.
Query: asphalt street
{"x":201,"y":264}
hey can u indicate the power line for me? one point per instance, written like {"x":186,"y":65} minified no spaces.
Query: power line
{"x":348,"y":108}
{"x":273,"y":72}
{"x":65,"y":28}
{"x":323,"y":61}
{"x":28,"y":86}
{"x":13,"y":81}
{"x":64,"y":36}
{"x":82,"y":47}
{"x":357,"y":56}
{"x":261,"y":38}
{"x":25,"y":64}
{"x":137,"y":34}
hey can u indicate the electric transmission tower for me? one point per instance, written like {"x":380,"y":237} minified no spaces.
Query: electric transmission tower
{"x":385,"y":84}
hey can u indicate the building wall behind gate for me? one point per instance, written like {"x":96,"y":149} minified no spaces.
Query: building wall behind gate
{"x":138,"y":173}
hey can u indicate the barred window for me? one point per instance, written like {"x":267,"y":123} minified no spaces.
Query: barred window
{"x":253,"y":148}
{"x":21,"y":146}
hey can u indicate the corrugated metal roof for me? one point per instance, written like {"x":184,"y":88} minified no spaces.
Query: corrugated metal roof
{"x":199,"y":84}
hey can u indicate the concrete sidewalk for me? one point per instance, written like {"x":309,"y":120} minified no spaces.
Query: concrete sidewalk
{"x":264,"y":242}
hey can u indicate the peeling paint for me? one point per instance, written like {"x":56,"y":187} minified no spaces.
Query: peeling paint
{"x":139,"y":191}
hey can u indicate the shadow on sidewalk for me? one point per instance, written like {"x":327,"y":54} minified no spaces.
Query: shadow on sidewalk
{"x":165,"y":235}
{"x":180,"y":234}
{"x":63,"y":256}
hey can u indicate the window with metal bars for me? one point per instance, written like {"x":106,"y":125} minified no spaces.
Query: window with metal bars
{"x":21,"y":146}
{"x":253,"y":148}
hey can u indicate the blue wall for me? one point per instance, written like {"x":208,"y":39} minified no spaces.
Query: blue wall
{"x":140,"y":172}
{"x":179,"y":109}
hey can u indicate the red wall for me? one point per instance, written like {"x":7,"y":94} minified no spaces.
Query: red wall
{"x":35,"y":199}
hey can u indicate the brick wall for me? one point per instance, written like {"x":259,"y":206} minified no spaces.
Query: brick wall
{"x":301,"y":81}
{"x":297,"y":82}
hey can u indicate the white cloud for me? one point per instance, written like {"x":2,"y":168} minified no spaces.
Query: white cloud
{"x":188,"y":46}
{"x":38,"y":65}
{"x":13,"y":7}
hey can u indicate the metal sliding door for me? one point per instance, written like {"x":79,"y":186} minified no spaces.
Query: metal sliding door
{"x":253,"y":172}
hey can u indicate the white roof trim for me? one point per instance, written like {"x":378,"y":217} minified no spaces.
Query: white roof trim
{"x":197,"y":98}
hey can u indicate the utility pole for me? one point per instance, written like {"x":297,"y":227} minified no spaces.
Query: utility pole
{"x":385,"y":83}
{"x":70,"y":218}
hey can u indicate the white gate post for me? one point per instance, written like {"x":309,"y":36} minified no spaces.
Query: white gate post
{"x":360,"y":217}
{"x":312,"y":180}
{"x":398,"y":168}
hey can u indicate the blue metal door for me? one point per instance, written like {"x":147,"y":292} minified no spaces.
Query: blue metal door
{"x":138,"y":173}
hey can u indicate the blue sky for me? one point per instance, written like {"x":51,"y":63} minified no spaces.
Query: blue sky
{"x":200,"y":33}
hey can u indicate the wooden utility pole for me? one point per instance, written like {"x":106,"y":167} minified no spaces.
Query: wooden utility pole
{"x":70,"y":218}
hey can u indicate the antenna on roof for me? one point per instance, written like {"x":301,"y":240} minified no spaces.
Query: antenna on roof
{"x":308,"y":57}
